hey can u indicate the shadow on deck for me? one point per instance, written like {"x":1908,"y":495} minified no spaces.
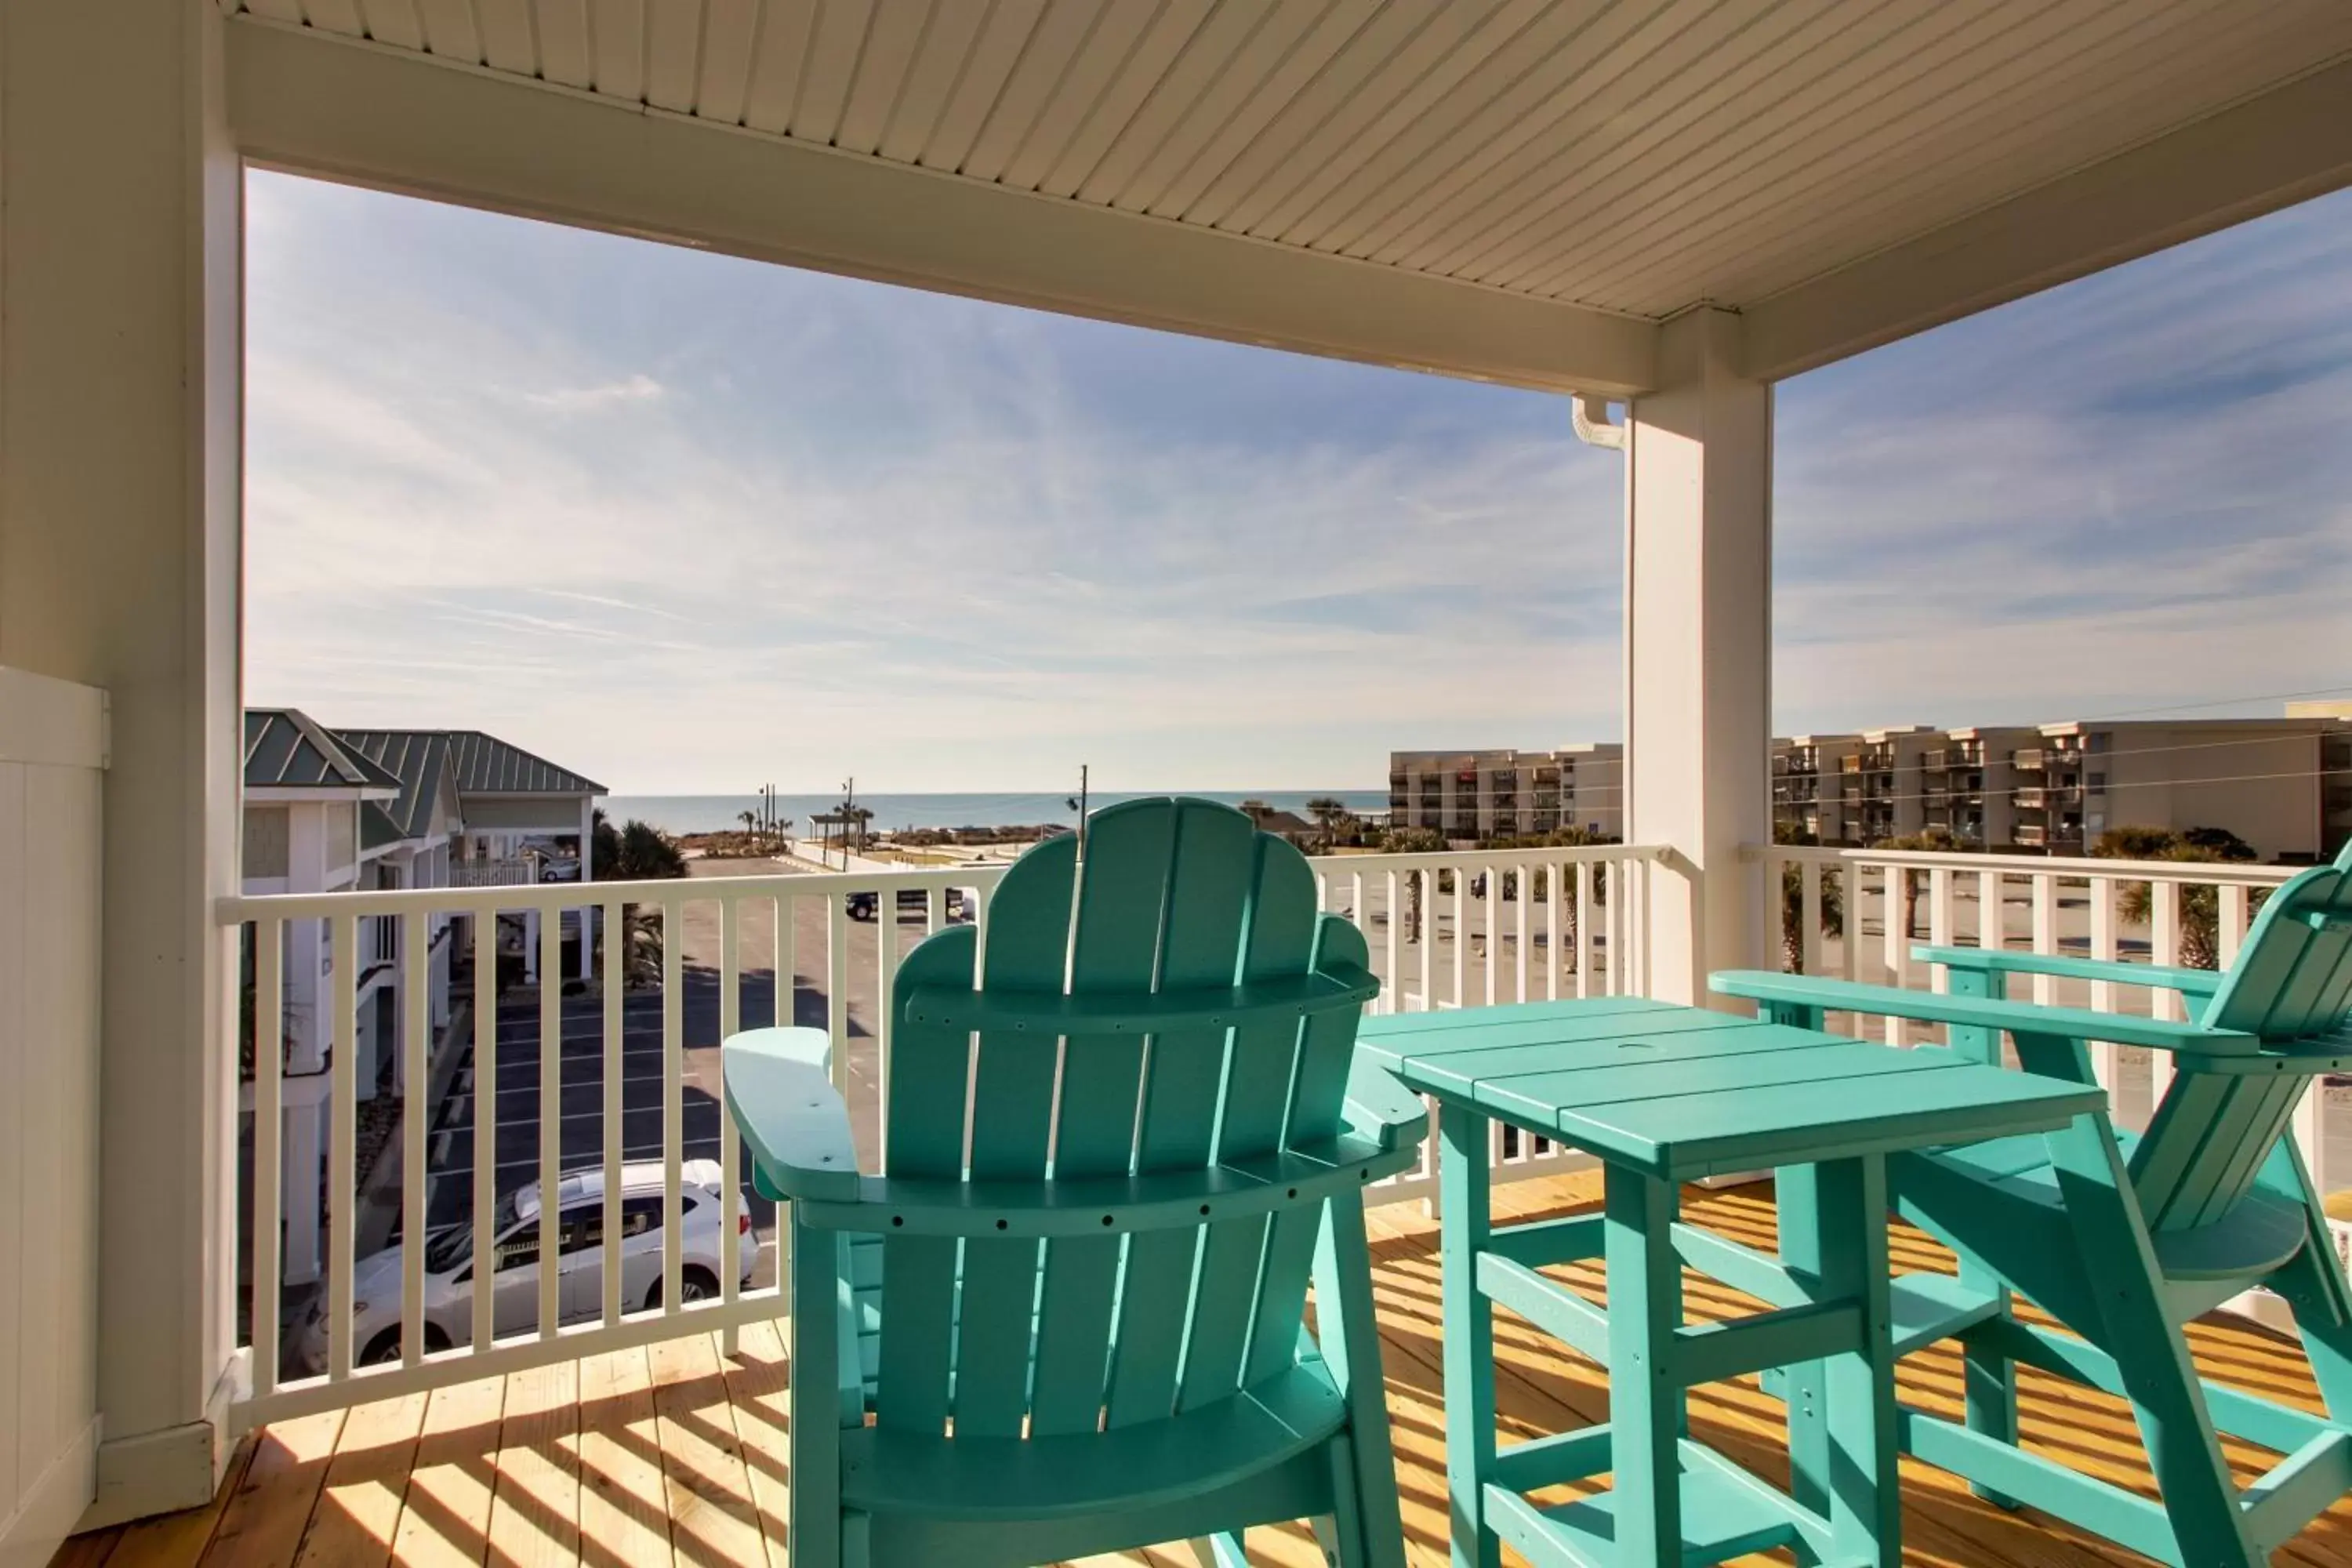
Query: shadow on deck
{"x":678,"y":1453}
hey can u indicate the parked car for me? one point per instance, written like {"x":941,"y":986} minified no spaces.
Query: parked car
{"x":911,"y":901}
{"x":449,"y":1258}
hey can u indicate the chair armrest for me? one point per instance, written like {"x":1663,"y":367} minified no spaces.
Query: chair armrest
{"x":2197,"y":983}
{"x":1381,"y":1109}
{"x":780,"y":1095}
{"x":1982,"y":1013}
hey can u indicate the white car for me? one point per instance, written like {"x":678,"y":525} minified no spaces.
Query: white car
{"x":580,"y":1264}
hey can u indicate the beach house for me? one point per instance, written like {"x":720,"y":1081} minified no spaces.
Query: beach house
{"x":1655,"y":210}
{"x":330,"y":810}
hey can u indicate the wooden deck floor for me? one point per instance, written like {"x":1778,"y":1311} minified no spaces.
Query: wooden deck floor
{"x":675,"y":1455}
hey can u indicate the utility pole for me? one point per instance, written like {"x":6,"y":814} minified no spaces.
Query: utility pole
{"x":1081,"y":811}
{"x":848,"y":817}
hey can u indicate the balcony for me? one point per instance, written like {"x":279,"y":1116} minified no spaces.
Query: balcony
{"x":625,"y":1438}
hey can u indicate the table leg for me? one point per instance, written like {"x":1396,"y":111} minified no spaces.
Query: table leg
{"x":1842,"y":1437}
{"x":1466,"y":1218}
{"x":1646,"y":1394}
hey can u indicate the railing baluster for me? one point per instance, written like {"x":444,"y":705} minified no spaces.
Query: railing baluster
{"x":1583,"y":912}
{"x":836,"y":988}
{"x":673,"y":1018}
{"x":551,"y":1120}
{"x":1555,"y":894}
{"x":731,"y":1194}
{"x":886,"y":974}
{"x":2105,"y":1059}
{"x":2233,"y":922}
{"x":1776,"y":911}
{"x":1940,"y":911}
{"x":343,"y":1164}
{"x":2164,"y":950}
{"x":416,"y":1060}
{"x":1490,"y":928}
{"x":269,"y":1121}
{"x":1461,"y":932}
{"x":616,"y":1068}
{"x":1428,"y":938}
{"x":1393,"y":998}
{"x":2045,"y":932}
{"x":1808,"y":914}
{"x":786,"y":1002}
{"x":1894,"y":938}
{"x":1990,"y":933}
{"x":1524,"y":884}
{"x":485,"y":935}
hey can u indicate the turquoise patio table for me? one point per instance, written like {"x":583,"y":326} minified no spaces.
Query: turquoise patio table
{"x":1662,"y":1095}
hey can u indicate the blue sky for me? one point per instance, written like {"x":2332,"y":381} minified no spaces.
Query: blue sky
{"x":687,"y":522}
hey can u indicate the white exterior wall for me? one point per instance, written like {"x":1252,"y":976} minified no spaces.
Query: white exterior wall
{"x":121,"y":350}
{"x":52,"y":756}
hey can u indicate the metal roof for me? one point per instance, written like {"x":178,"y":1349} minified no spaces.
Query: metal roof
{"x":417,"y":757}
{"x":378,"y":828}
{"x":1634,"y":159}
{"x":286,"y":749}
{"x":483,"y":764}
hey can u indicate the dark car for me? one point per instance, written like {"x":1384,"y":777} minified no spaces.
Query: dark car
{"x":911,"y":901}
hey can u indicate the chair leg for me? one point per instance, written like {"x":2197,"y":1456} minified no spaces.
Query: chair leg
{"x":2160,"y":1380}
{"x":1341,"y":1535}
{"x":1468,"y":1336}
{"x":1351,"y":1342}
{"x":815,"y":1520}
{"x":2327,"y":1341}
{"x":1222,"y":1550}
{"x":1989,"y":1381}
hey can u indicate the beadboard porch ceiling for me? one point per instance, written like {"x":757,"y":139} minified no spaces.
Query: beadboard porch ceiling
{"x":1843,"y":171}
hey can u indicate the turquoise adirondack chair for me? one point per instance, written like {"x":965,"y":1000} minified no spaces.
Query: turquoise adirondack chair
{"x":1084,"y":1332}
{"x":2125,"y":1238}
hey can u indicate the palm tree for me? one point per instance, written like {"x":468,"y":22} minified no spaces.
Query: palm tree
{"x":750,"y":821}
{"x":1935,"y":838}
{"x":2199,"y":904}
{"x":1792,"y":899}
{"x":1328,"y":812}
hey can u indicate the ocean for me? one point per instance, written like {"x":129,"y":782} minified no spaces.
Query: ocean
{"x":716,"y":812}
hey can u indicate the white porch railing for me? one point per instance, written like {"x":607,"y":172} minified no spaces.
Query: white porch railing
{"x":516,"y":873}
{"x":2041,"y":904}
{"x":1445,"y":930}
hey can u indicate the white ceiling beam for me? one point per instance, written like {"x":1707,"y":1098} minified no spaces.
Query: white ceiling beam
{"x":2287,"y":146}
{"x":351,"y":110}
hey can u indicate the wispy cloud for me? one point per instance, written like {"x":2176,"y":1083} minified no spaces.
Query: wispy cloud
{"x":638,"y":388}
{"x":745,"y":524}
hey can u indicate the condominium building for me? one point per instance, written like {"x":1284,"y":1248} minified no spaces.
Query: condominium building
{"x":1809,"y":785}
{"x":1506,"y":792}
{"x":2284,"y":786}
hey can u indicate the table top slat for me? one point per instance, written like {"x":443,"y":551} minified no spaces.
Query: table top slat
{"x":1684,"y":1092}
{"x":1428,"y":1029}
{"x":1469,"y":1058}
{"x":1827,"y":1065}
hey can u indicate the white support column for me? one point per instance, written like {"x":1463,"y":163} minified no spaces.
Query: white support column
{"x":1698,"y":648}
{"x":120,"y":271}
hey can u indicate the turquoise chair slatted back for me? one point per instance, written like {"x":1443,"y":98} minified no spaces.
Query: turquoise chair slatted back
{"x":1007,"y":1337}
{"x":2292,"y":982}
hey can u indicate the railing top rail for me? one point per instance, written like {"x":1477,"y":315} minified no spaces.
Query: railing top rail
{"x":2233,"y":873}
{"x":1479,"y":860}
{"x":234,"y":911}
{"x":543,"y":896}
